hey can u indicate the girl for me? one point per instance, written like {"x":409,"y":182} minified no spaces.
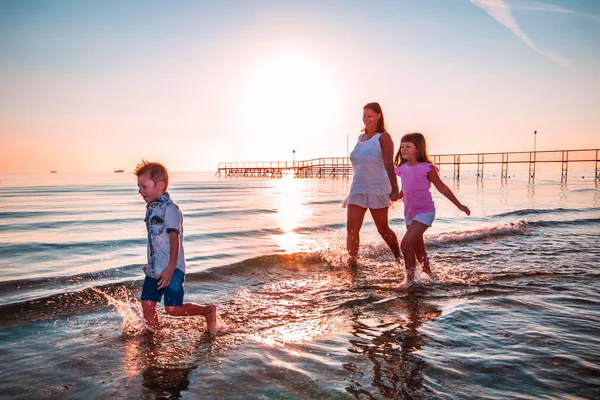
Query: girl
{"x":417,"y":173}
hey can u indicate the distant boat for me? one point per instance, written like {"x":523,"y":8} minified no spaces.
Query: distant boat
{"x":53,"y":172}
{"x":120,"y":170}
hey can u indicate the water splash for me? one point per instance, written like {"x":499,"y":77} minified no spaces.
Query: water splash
{"x":128,"y":308}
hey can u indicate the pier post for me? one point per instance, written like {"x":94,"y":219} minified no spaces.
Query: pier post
{"x":457,"y":165}
{"x":532,"y":166}
{"x":504,"y":172}
{"x":480,"y":164}
{"x":564,"y":165}
{"x":533,"y":157}
{"x":597,"y":178}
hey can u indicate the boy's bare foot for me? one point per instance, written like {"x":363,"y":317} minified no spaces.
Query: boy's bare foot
{"x":406,"y":284}
{"x":212,"y":317}
{"x":352,"y":262}
{"x":149,"y":331}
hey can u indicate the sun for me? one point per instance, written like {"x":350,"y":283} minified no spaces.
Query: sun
{"x":291,"y":91}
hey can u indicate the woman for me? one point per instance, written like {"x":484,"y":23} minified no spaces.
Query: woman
{"x":374,"y":184}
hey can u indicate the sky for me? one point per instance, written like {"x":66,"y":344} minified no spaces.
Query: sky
{"x":90,"y":86}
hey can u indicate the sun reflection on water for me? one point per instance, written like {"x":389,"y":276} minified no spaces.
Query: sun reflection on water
{"x":290,"y":213}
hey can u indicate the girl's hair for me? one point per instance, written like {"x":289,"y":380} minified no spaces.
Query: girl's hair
{"x":155,"y":170}
{"x":376,"y":108}
{"x":419,"y":141}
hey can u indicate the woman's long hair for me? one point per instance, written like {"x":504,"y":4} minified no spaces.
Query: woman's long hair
{"x":376,"y":108}
{"x":419,"y":141}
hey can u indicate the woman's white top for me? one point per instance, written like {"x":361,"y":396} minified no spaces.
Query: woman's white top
{"x":371,"y":185}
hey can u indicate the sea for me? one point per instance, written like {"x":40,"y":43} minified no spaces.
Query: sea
{"x":513,"y":314}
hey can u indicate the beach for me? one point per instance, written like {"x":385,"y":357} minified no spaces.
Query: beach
{"x":514,"y":313}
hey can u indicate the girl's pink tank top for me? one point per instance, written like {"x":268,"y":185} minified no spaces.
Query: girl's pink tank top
{"x":415,"y":188}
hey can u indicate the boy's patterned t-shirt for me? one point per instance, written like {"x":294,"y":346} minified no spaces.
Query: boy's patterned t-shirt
{"x":162,"y":217}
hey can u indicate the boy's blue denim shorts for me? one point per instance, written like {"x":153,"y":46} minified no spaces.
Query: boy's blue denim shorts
{"x":173,"y":293}
{"x":425,"y":218}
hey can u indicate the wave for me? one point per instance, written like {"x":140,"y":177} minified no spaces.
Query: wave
{"x":203,"y":214}
{"x":325,"y":202}
{"x":49,"y":298}
{"x":64,"y":224}
{"x":35,"y":214}
{"x":517,"y":228}
{"x":544,"y":211}
{"x":199,"y":187}
{"x":45,"y":191}
{"x":29,"y":248}
{"x":577,"y":222}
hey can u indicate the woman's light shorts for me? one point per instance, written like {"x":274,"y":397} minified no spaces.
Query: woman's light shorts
{"x":425,"y":218}
{"x":368,"y":200}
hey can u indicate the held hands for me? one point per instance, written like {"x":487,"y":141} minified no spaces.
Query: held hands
{"x":464,"y":209}
{"x":395,"y":196}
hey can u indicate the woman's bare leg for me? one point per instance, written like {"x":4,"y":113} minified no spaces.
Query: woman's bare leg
{"x":380,"y":216}
{"x":355,"y":218}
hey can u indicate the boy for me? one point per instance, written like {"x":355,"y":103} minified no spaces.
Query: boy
{"x":165,"y":271}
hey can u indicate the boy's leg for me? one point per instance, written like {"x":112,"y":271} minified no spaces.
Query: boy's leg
{"x":175,"y":306}
{"x":150,"y":297}
{"x":150,"y":314}
{"x":409,"y":244}
{"x":188,"y":309}
{"x":380,"y":217}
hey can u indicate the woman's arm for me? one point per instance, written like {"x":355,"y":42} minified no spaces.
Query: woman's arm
{"x":387,"y":148}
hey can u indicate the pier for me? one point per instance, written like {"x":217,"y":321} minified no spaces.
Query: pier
{"x":341,"y":166}
{"x":314,"y":168}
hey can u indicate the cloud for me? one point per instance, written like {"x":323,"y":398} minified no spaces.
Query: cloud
{"x":535,"y":6}
{"x":502,"y":12}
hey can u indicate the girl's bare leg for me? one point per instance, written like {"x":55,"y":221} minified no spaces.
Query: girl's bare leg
{"x":380,"y":216}
{"x":409,"y":245}
{"x":422,"y":256}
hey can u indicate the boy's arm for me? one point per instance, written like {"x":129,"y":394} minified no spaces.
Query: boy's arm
{"x":445,"y":190}
{"x":164,"y":278}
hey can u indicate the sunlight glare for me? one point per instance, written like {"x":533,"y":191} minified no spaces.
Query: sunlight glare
{"x":292,"y":92}
{"x":290,"y":212}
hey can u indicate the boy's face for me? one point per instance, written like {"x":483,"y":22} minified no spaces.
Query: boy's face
{"x":149,"y":190}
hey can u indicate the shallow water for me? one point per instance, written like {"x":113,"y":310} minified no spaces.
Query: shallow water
{"x":514,"y":314}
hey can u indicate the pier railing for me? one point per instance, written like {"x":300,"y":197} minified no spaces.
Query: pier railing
{"x":529,"y":158}
{"x":341,"y":166}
